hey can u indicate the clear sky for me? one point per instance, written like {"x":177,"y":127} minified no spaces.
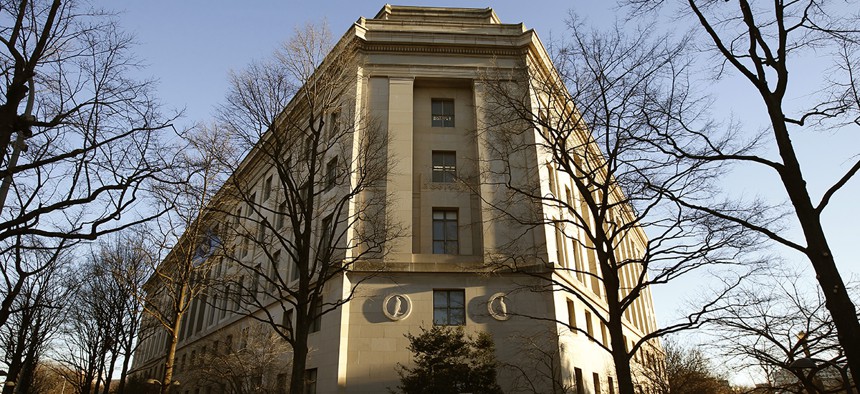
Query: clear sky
{"x":190,"y":46}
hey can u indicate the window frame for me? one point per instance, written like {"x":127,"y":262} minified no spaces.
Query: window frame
{"x":448,"y":307}
{"x":440,"y":115}
{"x":446,"y":240}
{"x":443,"y":171}
{"x":330,"y":174}
{"x":267,"y":188}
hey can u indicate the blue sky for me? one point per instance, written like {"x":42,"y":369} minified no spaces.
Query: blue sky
{"x":191,"y":45}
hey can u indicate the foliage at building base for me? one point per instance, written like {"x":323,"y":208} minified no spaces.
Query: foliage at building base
{"x":449,"y":361}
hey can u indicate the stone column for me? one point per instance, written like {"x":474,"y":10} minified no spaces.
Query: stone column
{"x":399,"y":184}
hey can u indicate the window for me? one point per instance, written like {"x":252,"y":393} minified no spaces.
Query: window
{"x":611,"y":385}
{"x":588,"y":328}
{"x":596,"y":377}
{"x":334,"y":125}
{"x":331,"y":173}
{"x":580,"y":386}
{"x":287,"y":321}
{"x":237,"y":295}
{"x":571,"y":316}
{"x":245,"y":246}
{"x":449,"y":307}
{"x":249,"y":208}
{"x":282,"y":214}
{"x":274,"y":276}
{"x":316,"y":315}
{"x":294,"y":271}
{"x":224,"y":301}
{"x":267,"y":188}
{"x":327,"y":231}
{"x":261,"y":231}
{"x":444,"y":166}
{"x":445,"y":240}
{"x":603,"y":334}
{"x":311,"y":381}
{"x":443,"y":112}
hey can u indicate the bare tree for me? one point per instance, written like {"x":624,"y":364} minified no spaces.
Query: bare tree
{"x":686,"y":370}
{"x":315,"y":210}
{"x":255,"y":363}
{"x":774,"y":326}
{"x":37,"y":312}
{"x":760,"y":42}
{"x":589,"y":127}
{"x":104,"y":312}
{"x":538,"y":367}
{"x":77,"y":135}
{"x":189,"y":241}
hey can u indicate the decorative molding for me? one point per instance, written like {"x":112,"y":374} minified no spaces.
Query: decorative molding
{"x":397,"y":306}
{"x":498,"y":306}
{"x":445,"y":50}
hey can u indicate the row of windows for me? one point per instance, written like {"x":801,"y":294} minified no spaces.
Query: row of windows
{"x":580,"y":384}
{"x":581,"y":258}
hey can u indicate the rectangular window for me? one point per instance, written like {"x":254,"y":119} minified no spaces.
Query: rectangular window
{"x":267,"y":188}
{"x":611,"y":385}
{"x":445,"y":229}
{"x":311,"y":381}
{"x":316,"y":315}
{"x":237,"y":295}
{"x":261,"y":231}
{"x":334,"y":125}
{"x":444,"y":166}
{"x":282,"y":214}
{"x":571,"y":316}
{"x":327,"y":231}
{"x":294,"y":271}
{"x":287,"y":321}
{"x":331,"y":173}
{"x":449,"y":307}
{"x":224,"y":301}
{"x":603,"y":334}
{"x":559,"y":246}
{"x":588,"y":328}
{"x":443,"y":112}
{"x":214,"y":312}
{"x":596,"y":378}
{"x":580,"y":385}
{"x":274,"y":276}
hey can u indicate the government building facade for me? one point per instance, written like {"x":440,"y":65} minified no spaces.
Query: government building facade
{"x":421,"y":76}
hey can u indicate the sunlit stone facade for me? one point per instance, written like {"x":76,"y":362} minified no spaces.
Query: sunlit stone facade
{"x":420,"y":76}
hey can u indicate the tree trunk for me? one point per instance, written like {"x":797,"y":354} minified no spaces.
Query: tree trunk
{"x":838,"y":302}
{"x":108,"y":373}
{"x":170,"y":358}
{"x":615,"y":325}
{"x":300,"y":354}
{"x":124,"y":373}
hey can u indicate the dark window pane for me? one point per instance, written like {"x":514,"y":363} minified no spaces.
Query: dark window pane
{"x":457,"y":299}
{"x":458,"y":317}
{"x":445,"y":232}
{"x":442,"y":113}
{"x":438,"y":230}
{"x":449,"y":307}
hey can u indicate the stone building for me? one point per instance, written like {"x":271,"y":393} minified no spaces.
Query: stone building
{"x":421,"y":75}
